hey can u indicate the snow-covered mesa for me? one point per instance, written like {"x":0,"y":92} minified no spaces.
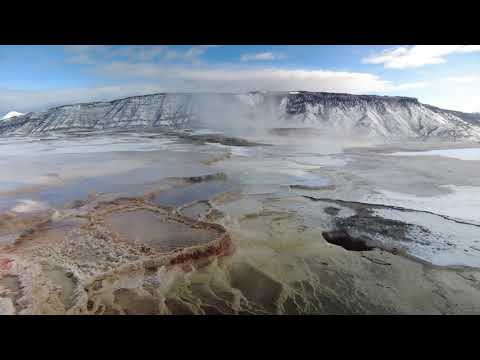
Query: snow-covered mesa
{"x":351,"y":116}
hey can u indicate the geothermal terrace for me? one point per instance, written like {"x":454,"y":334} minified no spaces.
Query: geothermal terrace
{"x":201,"y":223}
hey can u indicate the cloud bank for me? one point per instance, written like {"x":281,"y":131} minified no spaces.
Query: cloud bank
{"x":263,"y":56}
{"x":122,"y":71}
{"x":145,"y":78}
{"x":417,"y":56}
{"x":466,"y":79}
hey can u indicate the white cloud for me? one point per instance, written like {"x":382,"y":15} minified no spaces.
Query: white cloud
{"x":39,"y":100}
{"x":84,"y":54}
{"x":189,"y":55}
{"x":144,"y":78}
{"x":83,"y":48}
{"x":80,"y":59}
{"x":89,"y":54}
{"x":193,"y":54}
{"x":456,"y":100}
{"x":171,"y":55}
{"x":416,"y":56}
{"x":410,"y":86}
{"x":263,"y":56}
{"x":466,"y":79}
{"x":246,"y":79}
{"x":196,"y":51}
{"x":138,"y":53}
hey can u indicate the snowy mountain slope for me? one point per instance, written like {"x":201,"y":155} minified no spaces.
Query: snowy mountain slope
{"x":472,"y":118}
{"x":11,"y":114}
{"x":376,"y":116}
{"x":369,"y":115}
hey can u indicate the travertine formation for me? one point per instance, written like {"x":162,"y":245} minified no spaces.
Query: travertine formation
{"x":84,"y":261}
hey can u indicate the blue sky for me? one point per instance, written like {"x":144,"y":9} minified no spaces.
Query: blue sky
{"x":37,"y":77}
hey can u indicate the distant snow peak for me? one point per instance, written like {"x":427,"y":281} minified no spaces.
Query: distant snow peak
{"x":11,"y":114}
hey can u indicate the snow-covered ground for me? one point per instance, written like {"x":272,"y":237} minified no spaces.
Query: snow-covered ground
{"x":462,"y":203}
{"x":204,"y":131}
{"x":321,"y":161}
{"x":28,"y":205}
{"x":33,"y":147}
{"x":234,"y":150}
{"x":447,"y":244}
{"x":462,"y":154}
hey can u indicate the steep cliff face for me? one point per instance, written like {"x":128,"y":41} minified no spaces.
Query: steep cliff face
{"x":139,"y":111}
{"x":379,"y":116}
{"x":471,"y":118}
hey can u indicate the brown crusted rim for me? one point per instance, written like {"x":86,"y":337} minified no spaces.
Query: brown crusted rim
{"x":221,"y":245}
{"x":185,"y":259}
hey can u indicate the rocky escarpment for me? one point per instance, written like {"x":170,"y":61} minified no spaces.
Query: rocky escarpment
{"x":472,"y":118}
{"x":353,"y":115}
{"x":383,"y":116}
{"x":140,"y":111}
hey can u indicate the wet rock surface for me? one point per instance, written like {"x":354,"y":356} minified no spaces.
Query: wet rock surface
{"x":309,"y":132}
{"x":375,"y":224}
{"x":146,"y":227}
{"x":220,"y":139}
{"x":395,"y":229}
{"x":331,"y":210}
{"x":341,"y":238}
{"x":196,"y":189}
{"x":11,"y":293}
{"x":312,"y":187}
{"x":196,"y":211}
